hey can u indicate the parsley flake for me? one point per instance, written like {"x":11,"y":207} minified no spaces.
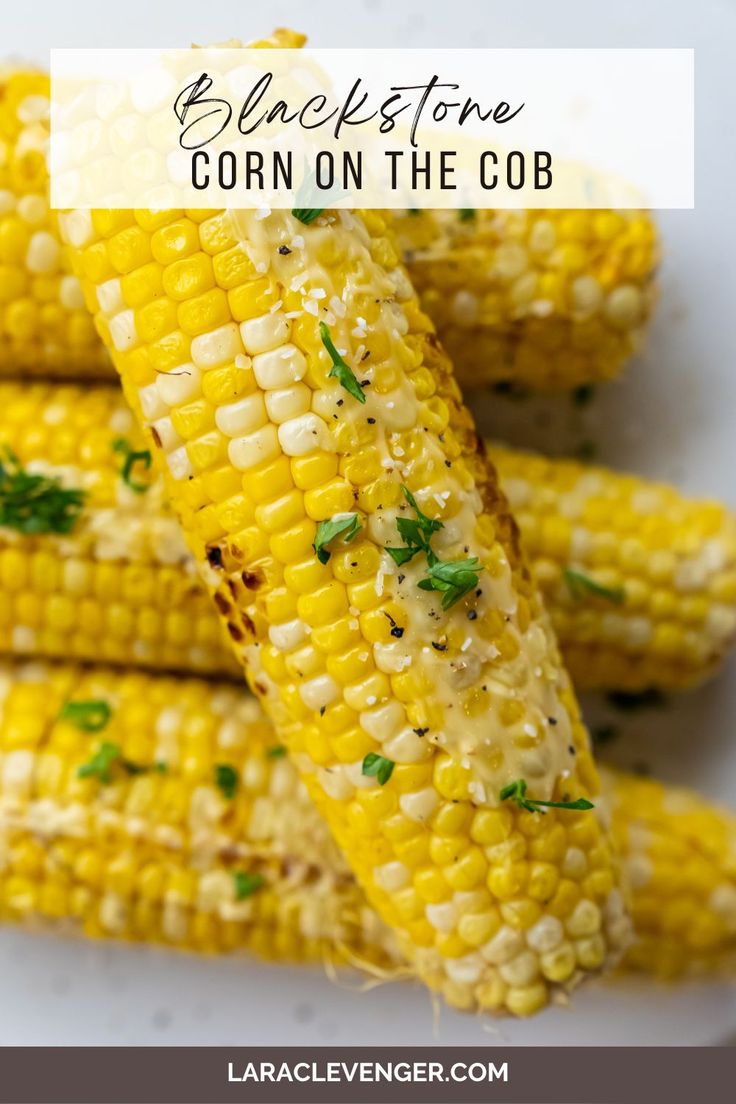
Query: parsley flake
{"x":516,"y":792}
{"x":278,"y":751}
{"x":378,"y":766}
{"x":35,"y":503}
{"x":340,"y":370}
{"x":307,"y":215}
{"x":88,"y":716}
{"x":226,"y":780}
{"x":466,"y":214}
{"x":131,"y":457}
{"x":246,"y":884}
{"x":346,"y":527}
{"x":454,"y":579}
{"x":580,"y":586}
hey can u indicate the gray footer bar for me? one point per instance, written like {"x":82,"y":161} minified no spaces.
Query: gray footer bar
{"x":362,"y":1075}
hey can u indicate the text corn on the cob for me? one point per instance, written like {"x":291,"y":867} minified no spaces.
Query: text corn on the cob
{"x":640,"y":581}
{"x":44,"y":327}
{"x":544,"y":299}
{"x":547,"y":299}
{"x":158,"y":855}
{"x":408,"y":707}
{"x":190,"y":829}
{"x":118,"y":585}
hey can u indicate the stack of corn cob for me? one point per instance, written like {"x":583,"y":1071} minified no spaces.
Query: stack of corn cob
{"x":139,"y":807}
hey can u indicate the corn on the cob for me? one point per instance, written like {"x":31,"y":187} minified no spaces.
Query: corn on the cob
{"x":155,"y":855}
{"x":409,"y":709}
{"x":149,"y":846}
{"x":546,"y":299}
{"x":119,"y":586}
{"x":44,"y":327}
{"x":594,"y":538}
{"x":639,"y":580}
{"x":679,"y":855}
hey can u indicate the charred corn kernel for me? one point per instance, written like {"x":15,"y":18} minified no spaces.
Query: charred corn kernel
{"x":534,"y":297}
{"x":441,"y":656}
{"x":642,"y":589}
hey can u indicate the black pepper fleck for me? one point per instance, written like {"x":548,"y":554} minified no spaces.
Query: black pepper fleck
{"x":284,"y":250}
{"x":472,"y":615}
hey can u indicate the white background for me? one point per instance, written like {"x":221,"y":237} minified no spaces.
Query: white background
{"x":673,"y":415}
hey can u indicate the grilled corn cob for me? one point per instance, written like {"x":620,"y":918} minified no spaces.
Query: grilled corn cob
{"x":679,"y":855}
{"x":190,"y":829}
{"x":409,"y":708}
{"x":157,"y":855}
{"x":118,"y":585}
{"x":640,"y":581}
{"x":546,"y":299}
{"x":44,"y":326}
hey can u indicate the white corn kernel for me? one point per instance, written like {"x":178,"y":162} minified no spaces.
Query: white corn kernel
{"x":406,"y":747}
{"x":319,"y":692}
{"x":242,"y":417}
{"x":419,"y":806}
{"x":179,"y":385}
{"x":302,"y":435}
{"x":43,"y":252}
{"x":260,"y":335}
{"x":584,"y":920}
{"x":392,"y":876}
{"x":77,"y":228}
{"x":504,"y":946}
{"x":288,"y":635}
{"x":382,"y":722}
{"x":280,"y":367}
{"x":167,"y":435}
{"x":179,"y":463}
{"x":442,"y":917}
{"x":218,"y":347}
{"x":545,"y":935}
{"x":70,"y":293}
{"x":521,"y":970}
{"x":256,"y":448}
{"x":110,"y":297}
{"x":152,"y":405}
{"x":288,"y":403}
{"x":123,"y":333}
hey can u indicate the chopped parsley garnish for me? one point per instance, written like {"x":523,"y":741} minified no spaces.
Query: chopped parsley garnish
{"x":378,"y":766}
{"x":583,"y":394}
{"x":632,"y":701}
{"x":342,"y":371}
{"x":580,"y":586}
{"x":109,"y":755}
{"x":131,"y":457}
{"x":466,"y":214}
{"x":35,"y":503}
{"x":278,"y":751}
{"x":307,"y":214}
{"x":452,"y":578}
{"x":89,"y":716}
{"x":604,"y":734}
{"x":516,"y":791}
{"x":246,"y":884}
{"x":346,"y":527}
{"x":226,"y":780}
